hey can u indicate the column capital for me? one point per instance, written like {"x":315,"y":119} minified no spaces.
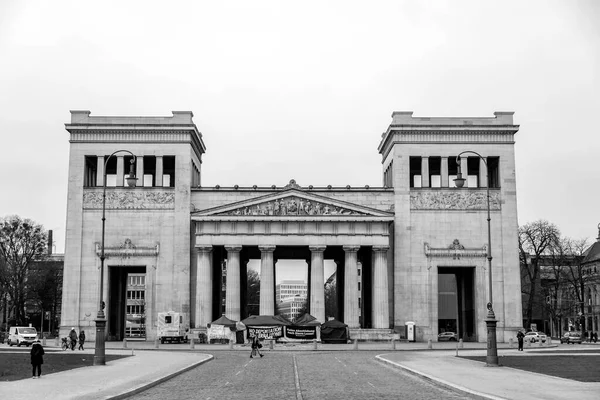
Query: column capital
{"x":234,"y":248}
{"x":381,"y":248}
{"x":351,"y":249}
{"x":317,"y":249}
{"x":204,"y":248}
{"x":269,"y":248}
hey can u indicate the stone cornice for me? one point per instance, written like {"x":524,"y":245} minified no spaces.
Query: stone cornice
{"x":455,"y":251}
{"x":128,"y":249}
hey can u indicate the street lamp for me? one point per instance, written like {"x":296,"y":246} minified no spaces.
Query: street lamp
{"x":490,"y":321}
{"x":100,"y":351}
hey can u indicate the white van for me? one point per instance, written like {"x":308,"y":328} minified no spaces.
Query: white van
{"x":21,"y":335}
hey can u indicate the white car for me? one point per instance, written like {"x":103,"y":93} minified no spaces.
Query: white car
{"x":533,"y":337}
{"x":449,"y":336}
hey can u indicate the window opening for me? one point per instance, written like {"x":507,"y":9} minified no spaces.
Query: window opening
{"x":415,"y":172}
{"x":493,"y":164}
{"x":473,"y":171}
{"x":90,"y":171}
{"x":111,"y":171}
{"x":169,"y":171}
{"x":452,"y":171}
{"x":435,"y":172}
{"x":149,"y":170}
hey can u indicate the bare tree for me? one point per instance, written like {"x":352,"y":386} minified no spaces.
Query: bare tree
{"x":578,"y":277}
{"x":535,"y":238}
{"x":252,"y":293}
{"x":21,"y":242}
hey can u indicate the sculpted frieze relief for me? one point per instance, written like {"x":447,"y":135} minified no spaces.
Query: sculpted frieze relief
{"x":292,"y":206}
{"x":130,"y":199}
{"x":453,"y":200}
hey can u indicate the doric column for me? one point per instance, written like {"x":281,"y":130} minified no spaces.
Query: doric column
{"x":100,"y":171}
{"x":120,"y":171}
{"x":444,"y":172}
{"x":380,"y":312}
{"x":464,"y":169}
{"x":351,"y":287}
{"x":204,"y":287}
{"x":317,"y":283}
{"x":425,"y":172}
{"x":232,"y":290}
{"x":139,"y":170}
{"x":267,"y":280}
{"x":159,"y":171}
{"x":482,"y":173}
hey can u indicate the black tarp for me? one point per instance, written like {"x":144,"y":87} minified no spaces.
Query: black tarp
{"x":334,"y":331}
{"x":265,"y":326}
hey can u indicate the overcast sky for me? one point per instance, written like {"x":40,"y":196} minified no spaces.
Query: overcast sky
{"x":303,"y":90}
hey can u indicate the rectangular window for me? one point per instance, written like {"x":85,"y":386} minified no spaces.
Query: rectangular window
{"x":415,"y":172}
{"x":169,"y":171}
{"x":149,"y":170}
{"x":90,"y":172}
{"x":493,"y":164}
{"x":111,"y":171}
{"x":435,"y":172}
{"x":452,"y":171}
{"x":472,"y":173}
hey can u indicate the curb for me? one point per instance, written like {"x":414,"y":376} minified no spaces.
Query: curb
{"x":165,"y":378}
{"x":439,"y":382}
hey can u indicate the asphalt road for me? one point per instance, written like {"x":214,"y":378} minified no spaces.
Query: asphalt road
{"x":297,"y":375}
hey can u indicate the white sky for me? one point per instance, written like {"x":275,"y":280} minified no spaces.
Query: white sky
{"x":304,"y":90}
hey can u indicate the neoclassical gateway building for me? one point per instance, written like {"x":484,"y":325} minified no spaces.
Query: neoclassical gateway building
{"x":412,"y":250}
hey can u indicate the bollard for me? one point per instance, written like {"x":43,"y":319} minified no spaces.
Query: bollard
{"x":192,"y":344}
{"x":44,"y":341}
{"x":315,"y":344}
{"x":510,"y":342}
{"x":429,"y":344}
{"x":156,"y":343}
{"x":393,"y":344}
{"x":539,"y":343}
{"x":271,"y":344}
{"x":125,"y":343}
{"x":56,"y":343}
{"x":528,"y":343}
{"x":355,"y":344}
{"x":230,"y":344}
{"x":461,"y":344}
{"x":549,"y":341}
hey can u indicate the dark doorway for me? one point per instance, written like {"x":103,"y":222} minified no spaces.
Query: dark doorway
{"x":456,"y":302}
{"x":119,"y":304}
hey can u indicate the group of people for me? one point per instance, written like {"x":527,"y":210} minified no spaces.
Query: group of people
{"x":74,"y":338}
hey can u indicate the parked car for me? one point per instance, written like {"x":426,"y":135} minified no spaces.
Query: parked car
{"x":571,"y":337}
{"x":533,"y":337}
{"x":449,"y":336}
{"x":21,"y":335}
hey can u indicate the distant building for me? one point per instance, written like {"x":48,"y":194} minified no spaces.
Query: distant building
{"x":291,"y":288}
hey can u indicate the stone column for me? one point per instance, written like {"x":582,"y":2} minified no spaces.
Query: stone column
{"x":159,"y":171}
{"x":100,"y":171}
{"x":482,"y":173}
{"x":464,"y":169}
{"x":204,"y":287}
{"x":267,"y":280}
{"x":444,"y":172}
{"x":120,"y":171}
{"x":232,"y":291}
{"x":425,"y":172}
{"x":380,"y":306}
{"x":139,"y":172}
{"x":351,"y":287}
{"x":317,"y":283}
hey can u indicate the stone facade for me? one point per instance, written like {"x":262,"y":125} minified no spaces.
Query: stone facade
{"x":409,"y":235}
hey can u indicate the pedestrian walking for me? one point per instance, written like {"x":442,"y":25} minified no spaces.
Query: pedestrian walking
{"x":81,"y":339}
{"x":256,"y":345}
{"x":73,"y":337}
{"x":37,"y":358}
{"x":520,"y":337}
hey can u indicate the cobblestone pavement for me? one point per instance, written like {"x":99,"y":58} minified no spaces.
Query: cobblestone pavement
{"x":298,"y":375}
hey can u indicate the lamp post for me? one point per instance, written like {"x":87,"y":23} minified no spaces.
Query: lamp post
{"x":490,"y":320}
{"x":100,"y":350}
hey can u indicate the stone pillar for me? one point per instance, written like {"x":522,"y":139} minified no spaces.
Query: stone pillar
{"x":120,"y":171}
{"x":204,"y":287}
{"x":380,"y":305}
{"x":317,"y":283}
{"x":351,"y":287}
{"x":100,"y":171}
{"x":232,"y":294}
{"x":444,"y":172}
{"x":267,"y":280}
{"x":159,"y":171}
{"x":425,"y":172}
{"x":482,"y":173}
{"x":139,"y":172}
{"x":464,"y":169}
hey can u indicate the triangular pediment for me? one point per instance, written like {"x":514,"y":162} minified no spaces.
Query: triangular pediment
{"x":292,"y":203}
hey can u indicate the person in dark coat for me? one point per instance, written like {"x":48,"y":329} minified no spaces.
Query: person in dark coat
{"x":73,"y":337}
{"x":81,"y":340}
{"x":520,"y":337}
{"x":256,"y":345}
{"x":37,"y":358}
